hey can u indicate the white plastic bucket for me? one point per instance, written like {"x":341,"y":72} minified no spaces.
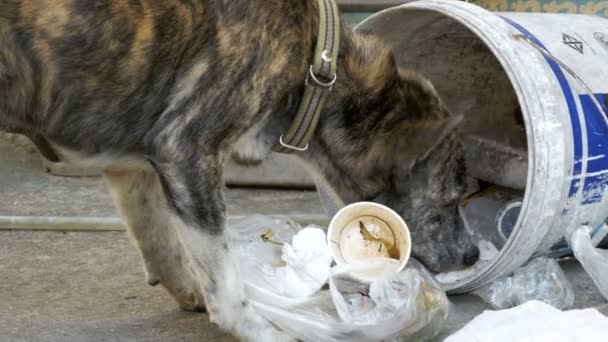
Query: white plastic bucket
{"x":554,"y":68}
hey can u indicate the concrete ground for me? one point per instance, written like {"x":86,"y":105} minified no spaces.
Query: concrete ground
{"x":89,"y":286}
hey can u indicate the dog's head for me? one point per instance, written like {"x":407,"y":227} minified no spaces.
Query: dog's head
{"x":387,"y":137}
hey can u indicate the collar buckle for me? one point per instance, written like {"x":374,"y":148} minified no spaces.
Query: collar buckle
{"x":291,"y":147}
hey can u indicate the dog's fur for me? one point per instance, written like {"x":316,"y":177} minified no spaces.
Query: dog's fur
{"x":157,"y":92}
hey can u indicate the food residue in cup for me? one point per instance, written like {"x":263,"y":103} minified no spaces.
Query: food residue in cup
{"x":392,"y":251}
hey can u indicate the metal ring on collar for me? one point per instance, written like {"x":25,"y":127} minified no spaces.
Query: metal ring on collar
{"x":320,"y":83}
{"x":301,"y":149}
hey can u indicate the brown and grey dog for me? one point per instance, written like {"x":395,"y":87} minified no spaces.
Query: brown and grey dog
{"x":159,"y":92}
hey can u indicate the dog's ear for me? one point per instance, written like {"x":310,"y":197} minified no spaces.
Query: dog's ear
{"x":410,"y":142}
{"x":418,"y":141}
{"x":417,"y":123}
{"x":369,"y":62}
{"x":429,"y":122}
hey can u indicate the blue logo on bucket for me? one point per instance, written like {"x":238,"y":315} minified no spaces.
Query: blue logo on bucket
{"x":596,"y":176}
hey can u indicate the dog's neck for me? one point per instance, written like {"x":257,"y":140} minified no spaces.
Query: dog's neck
{"x":366,"y":71}
{"x":351,"y":121}
{"x":354,"y":149}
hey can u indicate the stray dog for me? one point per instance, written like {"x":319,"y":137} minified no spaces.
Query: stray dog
{"x":159,"y":92}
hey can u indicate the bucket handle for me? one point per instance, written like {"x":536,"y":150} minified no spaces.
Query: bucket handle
{"x":568,"y":70}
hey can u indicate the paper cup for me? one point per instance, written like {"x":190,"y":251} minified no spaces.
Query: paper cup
{"x":349,"y":244}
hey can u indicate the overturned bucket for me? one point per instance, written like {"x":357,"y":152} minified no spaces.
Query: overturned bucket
{"x":533,"y":88}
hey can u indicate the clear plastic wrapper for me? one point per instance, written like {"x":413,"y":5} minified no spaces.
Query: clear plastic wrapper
{"x":542,"y":280}
{"x":408,"y":305}
{"x":594,"y":260}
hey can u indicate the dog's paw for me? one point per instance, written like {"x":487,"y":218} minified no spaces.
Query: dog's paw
{"x":188,"y":298}
{"x":193,"y":307}
{"x":191,"y":300}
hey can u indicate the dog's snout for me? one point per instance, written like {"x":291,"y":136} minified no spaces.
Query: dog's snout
{"x":471,"y":256}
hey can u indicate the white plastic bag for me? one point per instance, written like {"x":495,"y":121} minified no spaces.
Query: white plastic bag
{"x":535,"y":321}
{"x":405,"y":306}
{"x":542,"y":279}
{"x":594,"y":260}
{"x":408,"y":305}
{"x":308,"y":260}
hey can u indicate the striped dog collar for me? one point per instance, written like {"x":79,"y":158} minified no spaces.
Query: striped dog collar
{"x":319,"y":81}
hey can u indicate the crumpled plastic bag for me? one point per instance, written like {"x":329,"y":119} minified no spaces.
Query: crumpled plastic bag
{"x":308,"y":261}
{"x":542,"y":279}
{"x":535,"y":321}
{"x":404,"y":306}
{"x":408,"y":305}
{"x":594,"y":260}
{"x":294,"y":261}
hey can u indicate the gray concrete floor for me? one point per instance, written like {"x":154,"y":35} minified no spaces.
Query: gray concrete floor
{"x":89,"y":286}
{"x":26,"y":190}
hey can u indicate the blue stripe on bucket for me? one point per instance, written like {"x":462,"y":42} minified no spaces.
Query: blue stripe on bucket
{"x":570,"y":101}
{"x":596,"y":181}
{"x":597,"y":132}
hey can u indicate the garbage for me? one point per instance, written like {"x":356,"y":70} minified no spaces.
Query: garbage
{"x":594,"y":260}
{"x":542,"y":279}
{"x":295,"y":261}
{"x":365,"y":230}
{"x":535,"y":321}
{"x":506,"y":218}
{"x":486,"y":215}
{"x":487,"y":253}
{"x":492,"y":214}
{"x":406,"y":305}
{"x":307,"y":264}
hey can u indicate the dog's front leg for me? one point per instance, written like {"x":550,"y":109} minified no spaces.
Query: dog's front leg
{"x":139,"y":197}
{"x":193,"y":187}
